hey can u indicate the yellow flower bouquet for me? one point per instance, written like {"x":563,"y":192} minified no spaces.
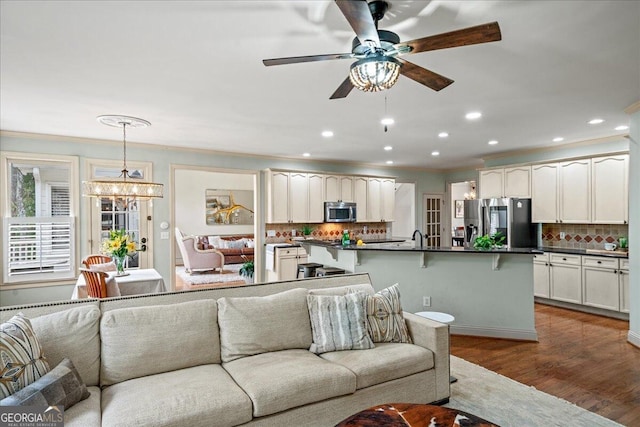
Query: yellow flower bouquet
{"x":118,"y":245}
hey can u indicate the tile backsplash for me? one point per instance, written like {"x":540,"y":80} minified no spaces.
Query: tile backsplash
{"x":328,"y":231}
{"x":582,"y":236}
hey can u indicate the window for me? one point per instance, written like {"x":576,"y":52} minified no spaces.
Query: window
{"x":39,"y":227}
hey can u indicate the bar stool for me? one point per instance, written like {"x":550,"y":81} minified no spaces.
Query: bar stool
{"x":445,"y":318}
{"x":308,"y":269}
{"x":329,"y":271}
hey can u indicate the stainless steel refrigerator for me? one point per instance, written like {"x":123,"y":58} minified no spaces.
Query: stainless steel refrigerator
{"x":509,"y":216}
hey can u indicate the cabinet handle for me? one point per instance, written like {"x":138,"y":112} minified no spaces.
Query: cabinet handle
{"x":564,"y":259}
{"x":599,"y":262}
{"x":546,"y":263}
{"x":615,"y":271}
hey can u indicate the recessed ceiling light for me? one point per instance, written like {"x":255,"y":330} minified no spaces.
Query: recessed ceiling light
{"x":435,"y":153}
{"x":622,"y":127}
{"x":327,"y":133}
{"x":558,"y":139}
{"x":388,"y":148}
{"x":306,"y":154}
{"x":389,"y":162}
{"x":595,"y":121}
{"x":492,"y":142}
{"x":443,"y":134}
{"x":473,"y":115}
{"x":387,"y":121}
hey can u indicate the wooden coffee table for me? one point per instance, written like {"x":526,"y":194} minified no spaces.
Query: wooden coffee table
{"x":413,"y":415}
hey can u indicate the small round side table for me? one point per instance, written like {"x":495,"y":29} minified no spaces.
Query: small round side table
{"x":442,"y":318}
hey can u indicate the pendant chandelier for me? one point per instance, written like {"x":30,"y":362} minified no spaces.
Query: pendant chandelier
{"x":375,"y":73}
{"x":124,"y":186}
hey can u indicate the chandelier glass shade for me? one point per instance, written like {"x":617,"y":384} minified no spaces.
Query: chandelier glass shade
{"x":375,"y":73}
{"x":124,"y":186}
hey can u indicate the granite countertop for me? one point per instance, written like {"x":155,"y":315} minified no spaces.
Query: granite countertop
{"x":594,"y":252}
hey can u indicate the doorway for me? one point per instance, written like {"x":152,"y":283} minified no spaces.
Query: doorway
{"x":433,"y":208}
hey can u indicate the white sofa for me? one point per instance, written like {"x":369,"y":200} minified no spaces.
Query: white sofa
{"x":189,"y":358}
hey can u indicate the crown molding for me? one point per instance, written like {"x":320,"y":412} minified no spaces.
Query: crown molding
{"x":633,"y":108}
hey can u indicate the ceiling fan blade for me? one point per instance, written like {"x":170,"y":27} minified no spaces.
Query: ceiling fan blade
{"x":473,"y":35}
{"x":423,"y":76}
{"x":343,"y":90}
{"x":359,"y":16}
{"x":310,"y":58}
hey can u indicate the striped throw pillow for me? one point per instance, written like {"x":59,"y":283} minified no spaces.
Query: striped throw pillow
{"x":338,"y":322}
{"x":384,"y":317}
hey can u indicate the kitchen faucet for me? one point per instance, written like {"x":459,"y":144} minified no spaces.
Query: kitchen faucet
{"x":421,"y":237}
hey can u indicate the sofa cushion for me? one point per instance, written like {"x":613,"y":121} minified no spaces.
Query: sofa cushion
{"x":73,"y":333}
{"x":21,"y":355}
{"x":142,"y":341}
{"x":254,"y":325}
{"x":385,"y":362}
{"x":384,"y":317}
{"x":338,"y":322}
{"x":86,"y":413}
{"x":281,"y":380}
{"x":199,"y":396}
{"x":60,"y":386}
{"x":343,"y":290}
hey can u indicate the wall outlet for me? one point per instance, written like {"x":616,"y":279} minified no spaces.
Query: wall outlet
{"x":562,"y":234}
{"x":271,"y":233}
{"x":426,"y":301}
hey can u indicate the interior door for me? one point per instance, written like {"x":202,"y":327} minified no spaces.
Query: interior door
{"x":433,"y":209}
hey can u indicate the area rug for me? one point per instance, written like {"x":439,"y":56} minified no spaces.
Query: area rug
{"x":230,"y":273}
{"x":506,"y":402}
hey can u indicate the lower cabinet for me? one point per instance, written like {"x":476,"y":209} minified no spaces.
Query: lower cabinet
{"x":541,"y":277}
{"x":287,"y":260}
{"x":566,"y":280}
{"x":623,"y":275}
{"x":600,"y":282}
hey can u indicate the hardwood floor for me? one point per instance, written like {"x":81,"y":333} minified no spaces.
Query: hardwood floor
{"x":580,"y":357}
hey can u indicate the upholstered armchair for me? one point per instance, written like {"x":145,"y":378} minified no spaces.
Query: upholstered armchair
{"x":198,"y":259}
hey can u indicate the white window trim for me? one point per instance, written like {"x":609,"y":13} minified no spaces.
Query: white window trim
{"x":73,"y":163}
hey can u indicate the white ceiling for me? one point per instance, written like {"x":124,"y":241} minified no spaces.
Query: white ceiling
{"x":194,"y":70}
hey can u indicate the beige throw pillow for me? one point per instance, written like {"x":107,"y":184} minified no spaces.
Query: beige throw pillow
{"x":338,"y":322}
{"x":384,"y":317}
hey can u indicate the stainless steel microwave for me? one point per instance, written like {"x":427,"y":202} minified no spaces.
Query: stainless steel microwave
{"x":339,"y":212}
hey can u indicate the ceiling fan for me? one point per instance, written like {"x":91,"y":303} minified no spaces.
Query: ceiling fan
{"x":378,"y":52}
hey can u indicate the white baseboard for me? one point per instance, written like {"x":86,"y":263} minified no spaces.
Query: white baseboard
{"x":511,"y":334}
{"x":633,"y":338}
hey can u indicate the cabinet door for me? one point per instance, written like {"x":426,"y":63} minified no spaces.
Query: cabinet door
{"x":610,"y":189}
{"x":544,"y":193}
{"x":360,"y":197}
{"x":298,"y":197}
{"x":346,"y":189}
{"x":575,"y":191}
{"x":517,"y":182}
{"x":278,"y":198}
{"x":316,"y":198}
{"x":287,"y":268}
{"x":541,"y":279}
{"x":331,"y":188}
{"x":624,"y":290}
{"x":388,"y":199}
{"x":600,"y":288}
{"x":566,"y":283}
{"x":374,"y":201}
{"x":491,"y":183}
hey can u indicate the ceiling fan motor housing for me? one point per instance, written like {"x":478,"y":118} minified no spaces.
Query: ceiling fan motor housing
{"x":387,"y":40}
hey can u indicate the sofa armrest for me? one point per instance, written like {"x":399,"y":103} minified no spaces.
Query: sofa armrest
{"x":434,"y":336}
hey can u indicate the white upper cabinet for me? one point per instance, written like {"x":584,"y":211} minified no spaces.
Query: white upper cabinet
{"x":374,"y":201}
{"x":360,"y":196}
{"x":575,"y":191}
{"x":291,"y":197}
{"x":316,"y":197}
{"x":346,"y":188}
{"x":544,"y":193}
{"x":491,"y":183}
{"x":609,"y":186}
{"x":517,"y":182}
{"x":388,"y":199}
{"x":338,"y":187}
{"x":278,"y":197}
{"x":298,"y":197}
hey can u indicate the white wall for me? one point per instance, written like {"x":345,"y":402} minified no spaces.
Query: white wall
{"x":634,"y":229}
{"x":405,"y":211}
{"x":458,"y":189}
{"x":190,"y":187}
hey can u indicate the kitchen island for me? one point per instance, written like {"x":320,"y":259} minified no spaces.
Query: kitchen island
{"x":490,"y":293}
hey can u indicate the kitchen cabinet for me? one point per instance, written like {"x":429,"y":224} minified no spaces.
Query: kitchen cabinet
{"x":544,"y":193}
{"x":388,"y":199}
{"x":380,"y":203}
{"x":278,"y":197}
{"x":609,"y":186}
{"x":600,"y":282}
{"x":316,"y":198}
{"x":298,"y":197}
{"x":360,"y":197}
{"x":287,"y":260}
{"x":512,"y":181}
{"x":623,"y":274}
{"x":575,"y":191}
{"x":288,"y":197}
{"x":338,"y":188}
{"x":541,"y":278}
{"x":374,"y":199}
{"x":565,"y":278}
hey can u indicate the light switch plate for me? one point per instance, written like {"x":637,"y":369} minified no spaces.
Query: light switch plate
{"x":271,"y":233}
{"x":164,"y":235}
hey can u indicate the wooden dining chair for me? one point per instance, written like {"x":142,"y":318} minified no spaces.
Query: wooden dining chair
{"x":96,"y":259}
{"x":96,"y":282}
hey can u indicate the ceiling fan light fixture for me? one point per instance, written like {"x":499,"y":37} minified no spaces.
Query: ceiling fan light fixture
{"x":374,"y":74}
{"x":125,"y":185}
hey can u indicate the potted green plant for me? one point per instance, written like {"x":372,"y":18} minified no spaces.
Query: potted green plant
{"x":487,"y":242}
{"x":306,"y":230}
{"x":247,"y":270}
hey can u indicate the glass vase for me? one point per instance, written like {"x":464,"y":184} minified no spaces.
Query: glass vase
{"x":119,"y":260}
